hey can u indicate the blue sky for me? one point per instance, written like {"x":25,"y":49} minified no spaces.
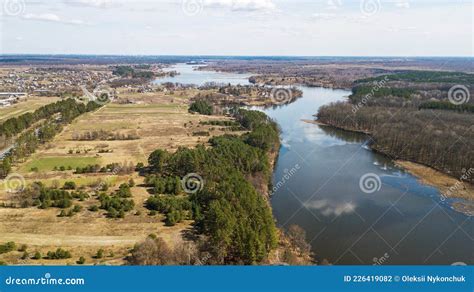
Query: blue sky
{"x":239,"y":27}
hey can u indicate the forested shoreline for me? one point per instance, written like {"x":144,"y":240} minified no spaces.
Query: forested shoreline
{"x":410,"y":117}
{"x":232,"y":219}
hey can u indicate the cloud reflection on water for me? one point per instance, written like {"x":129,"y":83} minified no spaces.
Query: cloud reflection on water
{"x":328,"y":208}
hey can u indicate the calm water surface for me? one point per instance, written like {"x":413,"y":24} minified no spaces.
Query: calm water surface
{"x":190,"y":76}
{"x":318,"y":172}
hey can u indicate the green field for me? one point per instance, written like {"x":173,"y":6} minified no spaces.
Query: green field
{"x":48,"y":163}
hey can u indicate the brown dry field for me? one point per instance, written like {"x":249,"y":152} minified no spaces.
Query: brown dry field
{"x":84,"y":233}
{"x":30,"y":104}
{"x":159,"y":120}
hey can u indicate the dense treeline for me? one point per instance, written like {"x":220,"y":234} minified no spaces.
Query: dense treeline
{"x":410,"y":116}
{"x":225,"y":207}
{"x":440,"y":139}
{"x":128,"y":71}
{"x":68,"y":110}
{"x":417,"y":89}
{"x":363,"y":90}
{"x":426,"y":76}
{"x":28,"y":141}
{"x":444,"y":105}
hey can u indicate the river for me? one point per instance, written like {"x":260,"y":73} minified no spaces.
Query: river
{"x":355,"y":205}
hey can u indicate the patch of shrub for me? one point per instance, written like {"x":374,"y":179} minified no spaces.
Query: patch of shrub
{"x":58,"y":254}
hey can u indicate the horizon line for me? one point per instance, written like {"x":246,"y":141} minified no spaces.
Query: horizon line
{"x":265,"y":56}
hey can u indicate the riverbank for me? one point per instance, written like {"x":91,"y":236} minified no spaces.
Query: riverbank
{"x":288,"y":251}
{"x":448,"y":186}
{"x":319,"y":123}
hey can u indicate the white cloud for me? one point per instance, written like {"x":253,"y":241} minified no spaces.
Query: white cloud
{"x":402,"y":29}
{"x":279,"y":27}
{"x":50,"y":17}
{"x":402,"y":3}
{"x":93,"y":3}
{"x":323,"y":15}
{"x":334,"y":4}
{"x":331,"y":208}
{"x":242,"y":5}
{"x":42,"y":17}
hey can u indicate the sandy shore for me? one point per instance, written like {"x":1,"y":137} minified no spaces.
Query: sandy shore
{"x":448,"y":186}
